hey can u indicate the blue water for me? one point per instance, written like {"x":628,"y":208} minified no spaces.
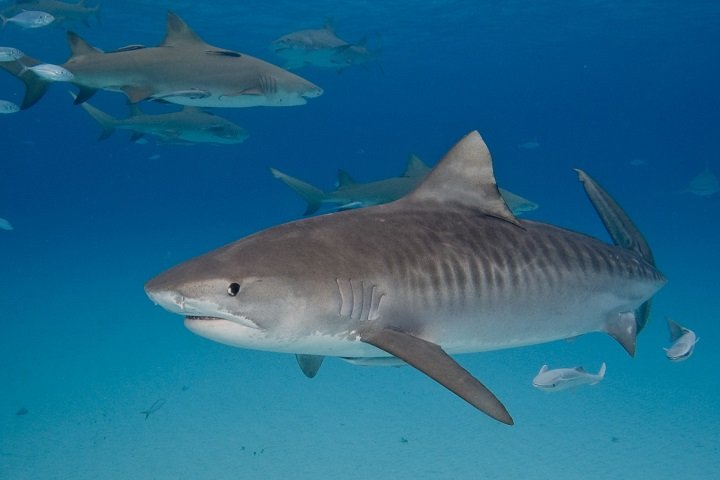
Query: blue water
{"x":625,"y":90}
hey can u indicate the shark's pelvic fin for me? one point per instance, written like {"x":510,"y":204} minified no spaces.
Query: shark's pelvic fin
{"x":621,"y":229}
{"x":465,"y":176}
{"x":309,"y":364}
{"x":432,"y":360}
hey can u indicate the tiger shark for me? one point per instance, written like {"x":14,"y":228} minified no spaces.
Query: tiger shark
{"x":351,"y":194}
{"x":183,"y":69}
{"x":445,"y":270}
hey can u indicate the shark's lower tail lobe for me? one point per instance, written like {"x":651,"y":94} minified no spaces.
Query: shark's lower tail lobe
{"x":621,"y":229}
{"x":35,"y":87}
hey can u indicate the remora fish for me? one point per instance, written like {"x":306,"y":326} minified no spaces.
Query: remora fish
{"x":446,"y":269}
{"x":63,"y":12}
{"x":190,"y":125}
{"x":183,"y":69}
{"x":563,"y":378}
{"x":684,"y":341}
{"x":351,"y":194}
{"x":321,"y":47}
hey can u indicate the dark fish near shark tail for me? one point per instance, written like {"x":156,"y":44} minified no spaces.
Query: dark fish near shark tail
{"x":35,"y":86}
{"x":622,"y":231}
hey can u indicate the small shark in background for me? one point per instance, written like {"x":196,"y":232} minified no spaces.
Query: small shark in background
{"x":5,"y":225}
{"x":684,"y":341}
{"x":322,"y":48}
{"x":63,"y":12}
{"x":446,"y":269}
{"x":705,"y":184}
{"x":188,"y":126}
{"x":563,"y":378}
{"x":351,"y":194}
{"x":183,"y":69}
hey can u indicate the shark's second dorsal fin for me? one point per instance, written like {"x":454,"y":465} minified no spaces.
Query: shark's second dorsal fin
{"x":179,"y":33}
{"x":78,"y":46}
{"x":465,"y":176}
{"x":344,"y":179}
{"x":415,"y":167}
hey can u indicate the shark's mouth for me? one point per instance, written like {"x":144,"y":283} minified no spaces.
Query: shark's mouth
{"x":202,"y":318}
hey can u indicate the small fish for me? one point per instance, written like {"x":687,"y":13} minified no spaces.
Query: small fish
{"x":153,"y":408}
{"x":10,"y":54}
{"x":52,"y":73}
{"x":564,"y":378}
{"x":638,"y":162}
{"x":29,"y":19}
{"x":684,"y":341}
{"x":8,"y":107}
{"x":531,"y":145}
{"x":5,"y":225}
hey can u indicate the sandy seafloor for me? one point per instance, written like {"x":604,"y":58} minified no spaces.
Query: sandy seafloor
{"x":598,"y":85}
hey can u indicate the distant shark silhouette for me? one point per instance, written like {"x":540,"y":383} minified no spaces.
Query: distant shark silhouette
{"x":705,"y":184}
{"x":190,"y":125}
{"x":322,"y":48}
{"x":351,"y":194}
{"x":183,"y":69}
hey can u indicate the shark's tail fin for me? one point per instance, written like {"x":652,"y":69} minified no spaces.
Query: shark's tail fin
{"x":35,"y":86}
{"x":107,"y":123}
{"x":622,"y":230}
{"x":312,"y":195}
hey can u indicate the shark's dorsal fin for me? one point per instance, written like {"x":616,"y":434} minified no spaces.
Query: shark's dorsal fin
{"x":344,"y":179}
{"x":465,"y":176}
{"x":78,"y":46}
{"x":329,"y":24}
{"x":179,"y":33}
{"x":676,"y":330}
{"x":415,"y":167}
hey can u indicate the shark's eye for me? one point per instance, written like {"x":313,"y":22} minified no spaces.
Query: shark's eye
{"x":233,"y":289}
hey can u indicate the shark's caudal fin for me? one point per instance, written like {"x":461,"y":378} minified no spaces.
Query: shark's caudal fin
{"x":432,"y":360}
{"x":621,"y":229}
{"x":35,"y":86}
{"x":107,"y":123}
{"x":312,"y":195}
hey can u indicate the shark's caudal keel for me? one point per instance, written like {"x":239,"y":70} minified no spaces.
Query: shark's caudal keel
{"x":446,"y":269}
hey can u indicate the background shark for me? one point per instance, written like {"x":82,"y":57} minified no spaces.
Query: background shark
{"x":322,"y":48}
{"x":446,"y":269}
{"x":351,"y":194}
{"x":189,"y":125}
{"x":183,"y":69}
{"x":65,"y":13}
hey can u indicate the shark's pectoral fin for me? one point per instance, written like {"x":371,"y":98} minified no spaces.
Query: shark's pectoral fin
{"x":309,"y":364}
{"x":432,"y":360}
{"x":138,"y":94}
{"x":623,"y":328}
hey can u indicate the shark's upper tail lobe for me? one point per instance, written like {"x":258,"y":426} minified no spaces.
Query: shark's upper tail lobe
{"x":621,"y":229}
{"x":35,"y":87}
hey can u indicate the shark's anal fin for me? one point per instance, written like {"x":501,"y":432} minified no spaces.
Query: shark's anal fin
{"x":309,"y":364}
{"x":623,"y":327}
{"x":432,"y":360}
